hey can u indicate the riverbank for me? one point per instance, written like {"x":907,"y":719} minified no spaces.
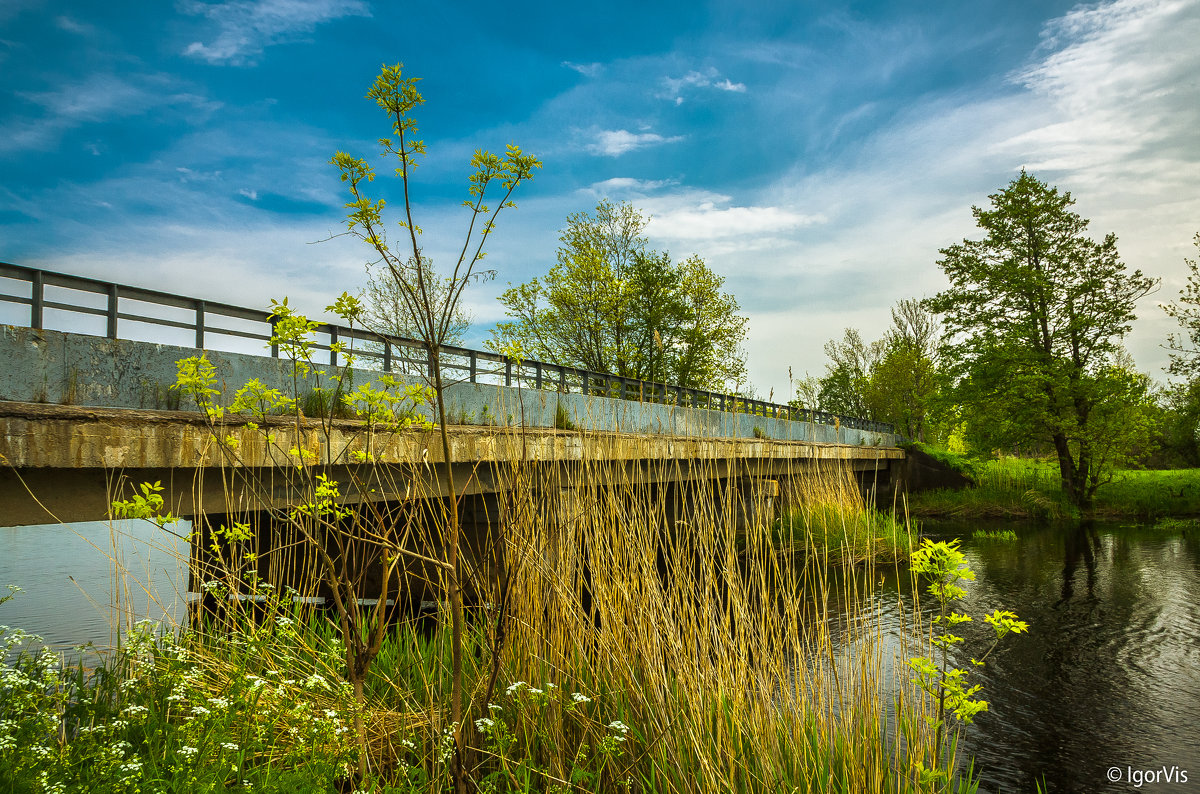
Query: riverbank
{"x":1029,"y":489}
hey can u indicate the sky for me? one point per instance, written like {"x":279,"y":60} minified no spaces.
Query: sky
{"x":817,"y":155}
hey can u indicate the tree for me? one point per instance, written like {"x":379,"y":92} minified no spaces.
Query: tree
{"x":385,"y":310}
{"x":905,"y":383}
{"x":1185,"y":353}
{"x":610,"y":305}
{"x":431,"y":302}
{"x":1033,"y":319}
{"x":843,"y":389}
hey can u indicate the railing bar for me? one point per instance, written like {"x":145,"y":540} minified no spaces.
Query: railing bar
{"x":609,"y":384}
{"x":138,"y":318}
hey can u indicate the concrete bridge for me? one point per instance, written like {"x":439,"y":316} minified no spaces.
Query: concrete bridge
{"x":80,"y":406}
{"x":84,"y":415}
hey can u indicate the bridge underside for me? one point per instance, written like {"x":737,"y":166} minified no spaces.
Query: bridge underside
{"x":67,"y":463}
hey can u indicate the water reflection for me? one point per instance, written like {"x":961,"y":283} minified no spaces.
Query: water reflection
{"x":83,"y":581}
{"x":1109,"y":674}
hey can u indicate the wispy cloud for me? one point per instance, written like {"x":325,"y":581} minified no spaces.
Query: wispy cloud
{"x":246,"y":27}
{"x":628,"y":185}
{"x":675,"y":87}
{"x":585,"y":69}
{"x":1120,"y":80}
{"x":613,"y":143}
{"x":72,"y":25}
{"x":98,"y":97}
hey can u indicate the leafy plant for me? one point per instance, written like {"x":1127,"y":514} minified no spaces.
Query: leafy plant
{"x":944,"y":569}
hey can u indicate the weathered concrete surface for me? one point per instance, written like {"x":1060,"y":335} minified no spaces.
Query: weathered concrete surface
{"x":60,"y":462}
{"x":65,"y":368}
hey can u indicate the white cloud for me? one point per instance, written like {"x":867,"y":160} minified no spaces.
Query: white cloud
{"x":613,"y":143}
{"x":684,"y":219}
{"x":585,"y":69}
{"x":628,"y":184}
{"x":246,"y":27}
{"x":97,"y":97}
{"x":675,"y":87}
{"x":250,"y":194}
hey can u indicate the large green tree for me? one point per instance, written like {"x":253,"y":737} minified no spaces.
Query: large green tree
{"x":1033,"y":320}
{"x":611,"y":305}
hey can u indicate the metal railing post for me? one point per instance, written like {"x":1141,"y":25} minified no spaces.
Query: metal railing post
{"x":37,"y":299}
{"x":113,"y":297}
{"x":507,"y":371}
{"x":387,"y":356}
{"x":333,"y":336}
{"x":274,"y":345}
{"x":474,"y":365}
{"x":199,"y":325}
{"x":537,"y":375}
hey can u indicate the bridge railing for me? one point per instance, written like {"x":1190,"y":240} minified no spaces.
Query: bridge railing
{"x":212,"y":322}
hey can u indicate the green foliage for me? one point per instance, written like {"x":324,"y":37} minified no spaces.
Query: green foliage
{"x":895,"y":379}
{"x":759,"y":432}
{"x":1033,"y":318}
{"x":200,"y":714}
{"x":943,"y":568}
{"x":259,"y":401}
{"x":1185,"y":350}
{"x":609,"y":305}
{"x":427,"y":303}
{"x":197,"y":378}
{"x":562,"y":420}
{"x":149,"y":505}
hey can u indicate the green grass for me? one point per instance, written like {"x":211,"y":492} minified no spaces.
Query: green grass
{"x":831,"y":532}
{"x":1002,"y":535}
{"x":1030,"y":488}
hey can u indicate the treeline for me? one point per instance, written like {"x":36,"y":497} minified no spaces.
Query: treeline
{"x":1022,"y":352}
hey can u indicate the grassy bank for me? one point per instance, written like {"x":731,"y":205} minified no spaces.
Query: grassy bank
{"x":587,"y":665}
{"x":1026,"y":488}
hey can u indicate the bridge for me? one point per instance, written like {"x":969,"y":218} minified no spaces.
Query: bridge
{"x":90,"y":398}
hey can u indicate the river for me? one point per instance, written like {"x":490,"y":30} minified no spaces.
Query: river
{"x":1104,"y":690}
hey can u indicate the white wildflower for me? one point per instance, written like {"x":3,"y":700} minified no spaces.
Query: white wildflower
{"x":579,"y":697}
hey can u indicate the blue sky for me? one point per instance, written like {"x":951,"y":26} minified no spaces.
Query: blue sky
{"x":815,"y":154}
